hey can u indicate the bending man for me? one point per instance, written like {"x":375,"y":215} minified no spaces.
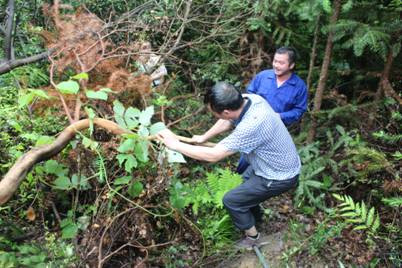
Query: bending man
{"x":262,"y":137}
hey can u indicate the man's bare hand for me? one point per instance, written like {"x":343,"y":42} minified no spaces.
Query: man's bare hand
{"x":168,"y":138}
{"x":198,"y":139}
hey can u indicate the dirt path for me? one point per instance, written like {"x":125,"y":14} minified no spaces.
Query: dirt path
{"x":271,"y":252}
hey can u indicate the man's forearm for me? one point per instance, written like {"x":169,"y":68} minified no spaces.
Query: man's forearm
{"x":209,"y":154}
{"x":220,"y":126}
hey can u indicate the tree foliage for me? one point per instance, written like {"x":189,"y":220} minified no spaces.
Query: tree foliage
{"x":119,"y":200}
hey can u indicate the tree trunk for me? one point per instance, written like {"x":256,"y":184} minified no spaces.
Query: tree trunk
{"x":324,"y":71}
{"x":384,"y":86}
{"x":9,"y":27}
{"x":313,"y":52}
{"x":384,"y":76}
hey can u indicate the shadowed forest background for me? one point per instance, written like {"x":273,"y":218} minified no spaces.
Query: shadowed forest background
{"x":84,"y":86}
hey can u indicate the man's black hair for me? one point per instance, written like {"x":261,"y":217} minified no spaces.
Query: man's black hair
{"x":223,"y":96}
{"x":292,"y":53}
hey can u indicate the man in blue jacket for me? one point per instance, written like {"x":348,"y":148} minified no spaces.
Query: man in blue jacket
{"x":284,"y":90}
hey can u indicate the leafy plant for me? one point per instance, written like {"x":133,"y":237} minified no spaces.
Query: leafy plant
{"x":53,"y":253}
{"x":212,"y":192}
{"x":220,"y":182}
{"x":365,"y":161}
{"x":386,"y":137}
{"x":313,"y":165}
{"x":364,"y":218}
{"x":393,"y":202}
{"x":322,"y":234}
{"x":71,"y":226}
{"x":206,"y":198}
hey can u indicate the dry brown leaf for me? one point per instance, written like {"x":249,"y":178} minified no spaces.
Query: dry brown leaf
{"x":31,"y":216}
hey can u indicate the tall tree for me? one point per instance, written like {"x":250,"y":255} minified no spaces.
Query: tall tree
{"x":324,"y":70}
{"x":313,"y":52}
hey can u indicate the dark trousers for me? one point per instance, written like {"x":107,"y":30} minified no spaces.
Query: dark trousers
{"x":243,"y":200}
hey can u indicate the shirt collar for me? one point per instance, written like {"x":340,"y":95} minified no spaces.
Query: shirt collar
{"x":292,"y":79}
{"x":245,"y":109}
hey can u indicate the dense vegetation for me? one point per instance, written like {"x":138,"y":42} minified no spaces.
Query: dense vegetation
{"x":110,"y":196}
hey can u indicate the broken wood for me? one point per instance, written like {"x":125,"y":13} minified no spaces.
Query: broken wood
{"x":10,"y":182}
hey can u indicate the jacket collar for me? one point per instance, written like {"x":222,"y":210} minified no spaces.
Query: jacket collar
{"x":292,"y":79}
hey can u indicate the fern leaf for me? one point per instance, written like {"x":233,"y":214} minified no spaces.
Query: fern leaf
{"x":358,"y":214}
{"x":360,"y":227}
{"x":350,"y":201}
{"x":376,"y":224}
{"x":370,"y":218}
{"x":363,"y":211}
{"x":353,"y":220}
{"x":213,"y":182}
{"x":338,"y":197}
{"x":350,"y":214}
{"x":357,"y":209}
{"x":315,"y":184}
{"x":393,"y":202}
{"x":346,"y":209}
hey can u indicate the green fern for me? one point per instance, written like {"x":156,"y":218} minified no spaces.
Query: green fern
{"x":358,"y":214}
{"x":212,"y":190}
{"x":100,"y":167}
{"x":200,"y":196}
{"x":362,"y":36}
{"x":221,"y":182}
{"x":393,"y":202}
{"x":372,"y":160}
{"x":388,"y":138}
{"x":314,"y":165}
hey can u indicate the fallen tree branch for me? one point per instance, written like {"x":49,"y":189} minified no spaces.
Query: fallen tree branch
{"x":8,"y":65}
{"x":11,"y":181}
{"x":13,"y":178}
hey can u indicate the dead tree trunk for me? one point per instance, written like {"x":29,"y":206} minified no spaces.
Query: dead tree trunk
{"x":324,"y":72}
{"x":10,"y":182}
{"x":13,"y":178}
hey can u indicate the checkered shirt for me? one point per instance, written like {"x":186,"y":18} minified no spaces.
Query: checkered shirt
{"x":264,"y":140}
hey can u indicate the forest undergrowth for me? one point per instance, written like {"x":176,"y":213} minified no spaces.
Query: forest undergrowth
{"x":104,"y":193}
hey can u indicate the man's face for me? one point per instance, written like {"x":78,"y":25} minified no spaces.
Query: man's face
{"x":281,"y":64}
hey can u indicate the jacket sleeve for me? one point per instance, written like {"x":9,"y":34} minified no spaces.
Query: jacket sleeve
{"x":254,"y":85}
{"x":299,"y":108}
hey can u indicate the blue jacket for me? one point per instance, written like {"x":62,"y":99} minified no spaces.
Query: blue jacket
{"x":289,"y":100}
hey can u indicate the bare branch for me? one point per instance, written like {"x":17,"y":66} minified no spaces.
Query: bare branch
{"x":65,"y":107}
{"x":8,"y":65}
